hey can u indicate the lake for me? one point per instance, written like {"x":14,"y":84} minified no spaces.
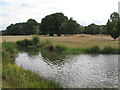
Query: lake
{"x":73,"y":71}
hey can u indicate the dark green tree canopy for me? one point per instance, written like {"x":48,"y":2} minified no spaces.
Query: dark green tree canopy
{"x":70,"y":27}
{"x":58,"y":23}
{"x":113,"y":26}
{"x":114,"y":16}
{"x":92,"y":29}
{"x":51,"y":23}
{"x":25,"y":28}
{"x":32,"y":22}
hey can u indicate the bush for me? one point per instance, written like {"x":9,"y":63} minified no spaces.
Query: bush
{"x":35,"y":40}
{"x":61,"y":47}
{"x":50,"y":48}
{"x":24,"y":42}
{"x":93,"y":50}
{"x":46,"y":43}
{"x":109,"y":50}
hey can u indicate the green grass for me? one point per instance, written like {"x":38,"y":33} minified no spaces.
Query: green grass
{"x":20,"y":78}
{"x":26,"y":42}
{"x":10,"y":47}
{"x":46,"y":43}
{"x":16,"y":77}
{"x":61,"y":48}
{"x":75,"y":51}
{"x":92,"y":50}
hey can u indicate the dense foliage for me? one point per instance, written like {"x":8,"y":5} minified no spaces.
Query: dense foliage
{"x":58,"y":23}
{"x":26,"y":28}
{"x":51,"y":23}
{"x":70,"y":27}
{"x":34,"y":42}
{"x":113,"y":25}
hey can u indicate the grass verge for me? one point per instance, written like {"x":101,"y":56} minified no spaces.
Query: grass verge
{"x":16,"y":77}
{"x":92,"y":50}
{"x":62,"y":48}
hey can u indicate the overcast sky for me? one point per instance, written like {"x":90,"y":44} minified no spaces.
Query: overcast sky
{"x":83,"y":11}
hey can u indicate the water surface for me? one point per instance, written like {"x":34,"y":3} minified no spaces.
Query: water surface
{"x":73,"y":71}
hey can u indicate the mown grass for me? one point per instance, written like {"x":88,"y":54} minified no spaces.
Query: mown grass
{"x":16,"y":77}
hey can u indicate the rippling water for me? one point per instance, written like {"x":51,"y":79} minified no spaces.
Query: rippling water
{"x":75,"y":71}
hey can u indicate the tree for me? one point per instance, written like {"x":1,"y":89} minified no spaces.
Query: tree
{"x":92,"y":29}
{"x":80,"y":29}
{"x":109,"y":27}
{"x":114,"y":16}
{"x":51,"y":23}
{"x":25,"y":28}
{"x":70,"y":27}
{"x":114,"y":33}
{"x":113,"y":26}
{"x":31,"y":25}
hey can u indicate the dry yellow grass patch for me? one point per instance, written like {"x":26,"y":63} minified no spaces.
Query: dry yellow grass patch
{"x":14,"y":38}
{"x":79,"y":40}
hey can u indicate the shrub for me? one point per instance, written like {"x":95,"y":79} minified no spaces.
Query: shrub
{"x":35,"y":40}
{"x":24,"y":42}
{"x":50,"y":48}
{"x":61,"y":47}
{"x":47,"y":42}
{"x":109,"y":50}
{"x":93,"y":50}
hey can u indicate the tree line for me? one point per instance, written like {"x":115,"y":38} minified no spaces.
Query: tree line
{"x":58,"y":23}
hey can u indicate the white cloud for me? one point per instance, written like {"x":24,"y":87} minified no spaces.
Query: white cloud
{"x":84,"y":11}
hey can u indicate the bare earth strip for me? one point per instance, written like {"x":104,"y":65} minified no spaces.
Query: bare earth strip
{"x":79,"y":40}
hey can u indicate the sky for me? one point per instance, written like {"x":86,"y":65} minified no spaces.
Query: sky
{"x":84,"y":12}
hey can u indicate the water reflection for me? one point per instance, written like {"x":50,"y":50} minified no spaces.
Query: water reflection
{"x":78,"y":71}
{"x":31,"y":51}
{"x":53,"y":57}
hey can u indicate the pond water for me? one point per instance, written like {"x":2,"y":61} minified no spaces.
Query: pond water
{"x":73,"y":71}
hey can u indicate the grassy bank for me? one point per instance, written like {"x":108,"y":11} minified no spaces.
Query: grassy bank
{"x":27,"y":79}
{"x":15,"y":77}
{"x":48,"y":45}
{"x":93,"y":50}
